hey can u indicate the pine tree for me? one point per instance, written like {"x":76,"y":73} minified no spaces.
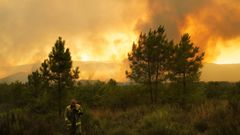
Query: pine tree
{"x":45,"y":72}
{"x":35,"y":82}
{"x":149,"y":58}
{"x":56,"y":71}
{"x":187,"y":62}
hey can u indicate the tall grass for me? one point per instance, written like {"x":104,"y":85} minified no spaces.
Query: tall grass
{"x":110,"y":109}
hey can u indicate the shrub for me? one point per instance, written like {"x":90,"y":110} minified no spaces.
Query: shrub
{"x":161,"y":122}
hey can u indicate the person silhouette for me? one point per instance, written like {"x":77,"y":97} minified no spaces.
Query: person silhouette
{"x":73,"y":113}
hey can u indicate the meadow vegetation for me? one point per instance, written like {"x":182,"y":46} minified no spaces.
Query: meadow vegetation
{"x":206,"y":109}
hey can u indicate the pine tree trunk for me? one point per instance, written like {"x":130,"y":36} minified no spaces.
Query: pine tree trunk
{"x":59,"y":96}
{"x":184,"y":81}
{"x":156,"y":91}
{"x":184,"y":90}
{"x":156,"y":85}
{"x":150,"y":82}
{"x":151,"y":92}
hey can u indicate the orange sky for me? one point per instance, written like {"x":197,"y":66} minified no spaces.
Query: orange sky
{"x":105,"y":30}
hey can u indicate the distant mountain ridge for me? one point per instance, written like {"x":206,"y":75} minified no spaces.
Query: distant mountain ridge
{"x":116,"y":70}
{"x":88,"y":71}
{"x":20,"y":76}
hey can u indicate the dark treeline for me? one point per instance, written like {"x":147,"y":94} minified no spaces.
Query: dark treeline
{"x":165,"y":72}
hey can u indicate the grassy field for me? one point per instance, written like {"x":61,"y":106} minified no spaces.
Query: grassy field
{"x":210,"y":108}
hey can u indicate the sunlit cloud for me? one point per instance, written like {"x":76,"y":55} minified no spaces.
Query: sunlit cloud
{"x":29,"y":28}
{"x":204,"y":20}
{"x":103,"y":31}
{"x":229,"y":52}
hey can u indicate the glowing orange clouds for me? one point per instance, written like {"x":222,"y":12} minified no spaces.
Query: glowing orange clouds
{"x":229,"y":52}
{"x":113,"y":46}
{"x":215,"y":28}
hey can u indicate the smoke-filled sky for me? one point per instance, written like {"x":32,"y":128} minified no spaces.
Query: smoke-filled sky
{"x":104,"y":30}
{"x":93,"y":29}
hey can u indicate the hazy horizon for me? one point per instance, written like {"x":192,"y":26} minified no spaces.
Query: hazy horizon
{"x":116,"y":70}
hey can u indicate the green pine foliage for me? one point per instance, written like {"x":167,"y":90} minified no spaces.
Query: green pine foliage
{"x":55,"y":73}
{"x":149,"y":59}
{"x":187,"y":62}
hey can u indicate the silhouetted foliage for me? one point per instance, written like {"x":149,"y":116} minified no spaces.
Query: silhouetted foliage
{"x":187,"y":61}
{"x":121,"y":109}
{"x":112,"y":82}
{"x":56,"y":71}
{"x":45,"y":72}
{"x":35,"y":81}
{"x":149,"y":59}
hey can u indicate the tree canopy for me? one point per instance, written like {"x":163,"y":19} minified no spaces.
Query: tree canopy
{"x":149,"y":58}
{"x":155,"y":58}
{"x":187,"y":61}
{"x":56,"y":71}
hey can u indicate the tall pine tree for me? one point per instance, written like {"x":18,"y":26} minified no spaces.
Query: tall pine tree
{"x":56,"y":71}
{"x":187,"y":62}
{"x":60,"y":65}
{"x":149,"y":58}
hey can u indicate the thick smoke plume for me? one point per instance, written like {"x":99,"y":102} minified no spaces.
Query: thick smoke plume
{"x":210,"y":22}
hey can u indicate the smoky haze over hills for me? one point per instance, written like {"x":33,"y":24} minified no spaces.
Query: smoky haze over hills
{"x":106,"y":70}
{"x":221,"y":72}
{"x":88,"y":71}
